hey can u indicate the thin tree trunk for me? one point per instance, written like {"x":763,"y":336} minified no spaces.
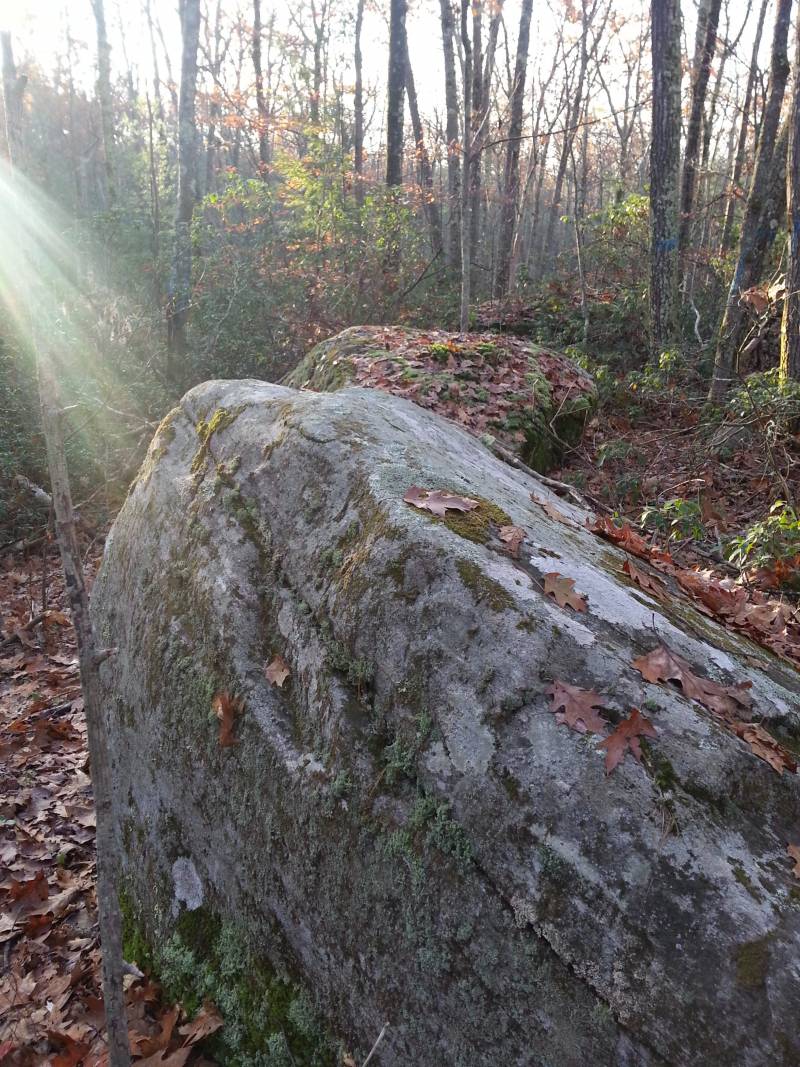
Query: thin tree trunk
{"x":154,"y":54}
{"x":691,"y":154}
{"x":358,"y":108}
{"x":89,"y":659}
{"x":396,"y":93}
{"x":755,"y":226}
{"x":508,"y":208}
{"x":741,"y":149}
{"x":181,"y":277}
{"x":155,"y":207}
{"x":465,"y":151}
{"x":453,"y":139}
{"x":664,"y":171}
{"x":790,"y":326}
{"x":424,"y":169}
{"x":13,"y":93}
{"x":263,"y":126}
{"x":104,"y":98}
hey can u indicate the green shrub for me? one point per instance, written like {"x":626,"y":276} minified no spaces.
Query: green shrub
{"x":676,"y":519}
{"x":770,"y":543}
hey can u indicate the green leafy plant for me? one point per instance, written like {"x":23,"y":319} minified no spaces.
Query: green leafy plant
{"x":676,"y":519}
{"x":773,"y":542}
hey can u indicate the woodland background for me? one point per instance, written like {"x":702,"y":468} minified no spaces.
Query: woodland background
{"x":224,"y":185}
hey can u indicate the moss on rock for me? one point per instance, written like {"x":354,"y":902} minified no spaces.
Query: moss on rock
{"x":484,"y":589}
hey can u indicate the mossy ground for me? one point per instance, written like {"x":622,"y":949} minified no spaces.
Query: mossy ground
{"x":269,"y":1019}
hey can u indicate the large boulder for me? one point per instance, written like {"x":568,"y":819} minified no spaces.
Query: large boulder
{"x":402,"y":831}
{"x":531,"y":400}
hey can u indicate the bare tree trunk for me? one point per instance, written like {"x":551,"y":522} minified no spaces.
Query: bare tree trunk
{"x":89,"y":659}
{"x":396,"y":93}
{"x":155,"y":207}
{"x":508,"y":209}
{"x":465,"y":151}
{"x":726,"y":242}
{"x":453,"y":248}
{"x":181,"y":277}
{"x":104,"y":98}
{"x":790,"y":326}
{"x":424,"y":169}
{"x":700,"y":78}
{"x":664,"y":171}
{"x":263,"y":122}
{"x":13,"y":93}
{"x":154,"y":54}
{"x":755,"y":227}
{"x":358,"y":108}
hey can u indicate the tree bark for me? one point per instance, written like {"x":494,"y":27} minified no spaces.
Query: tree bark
{"x":13,"y":93}
{"x":508,"y":208}
{"x":756,"y":230}
{"x":181,"y":276}
{"x":453,"y":247}
{"x":104,"y":99}
{"x":396,"y":93}
{"x":700,"y":79}
{"x":89,"y":657}
{"x":790,"y":325}
{"x":358,"y":108}
{"x":465,"y":162}
{"x":261,"y":107}
{"x":726,"y":242}
{"x":424,"y":169}
{"x":664,"y":171}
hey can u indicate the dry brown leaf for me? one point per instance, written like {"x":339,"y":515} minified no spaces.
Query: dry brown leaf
{"x":170,"y":1059}
{"x":277,"y":671}
{"x":664,"y":665}
{"x":764,"y":745}
{"x":794,"y":854}
{"x":438,"y":501}
{"x":626,"y":738}
{"x":226,"y":708}
{"x":549,"y":508}
{"x":650,"y":585}
{"x":562,"y":589}
{"x":512,"y":537}
{"x":207,"y":1021}
{"x":575,"y":707}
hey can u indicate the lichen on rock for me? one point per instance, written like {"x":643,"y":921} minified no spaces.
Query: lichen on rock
{"x":402,"y":831}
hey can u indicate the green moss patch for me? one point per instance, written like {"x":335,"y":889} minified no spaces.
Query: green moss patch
{"x":752,"y":963}
{"x":270,"y":1020}
{"x":485,"y":590}
{"x":206,"y":428}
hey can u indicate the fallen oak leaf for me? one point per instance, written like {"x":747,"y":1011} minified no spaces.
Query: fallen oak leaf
{"x":171,"y":1059}
{"x":562,"y":589}
{"x":226,"y":708}
{"x":764,"y":745}
{"x":278,"y":671}
{"x":207,"y":1021}
{"x":72,"y":1051}
{"x":794,"y":854}
{"x":549,"y":508}
{"x":626,"y":738}
{"x":575,"y":707}
{"x":650,"y":585}
{"x":512,"y":537}
{"x":664,"y":665}
{"x":438,"y":501}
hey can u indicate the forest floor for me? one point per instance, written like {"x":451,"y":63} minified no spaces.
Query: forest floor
{"x":50,"y":997}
